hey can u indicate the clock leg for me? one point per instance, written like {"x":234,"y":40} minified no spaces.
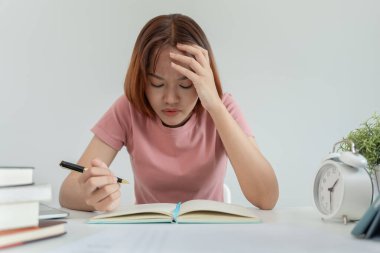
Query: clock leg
{"x":345,"y":219}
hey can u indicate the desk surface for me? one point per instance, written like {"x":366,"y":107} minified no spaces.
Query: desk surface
{"x":283,"y":230}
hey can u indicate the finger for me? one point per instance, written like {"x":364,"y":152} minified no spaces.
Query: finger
{"x":102,"y":193}
{"x":109,"y":203}
{"x":186,"y":72}
{"x":194,"y":51}
{"x":94,"y":172}
{"x":94,"y":183}
{"x":204,"y":52}
{"x":98,"y":163}
{"x":188,"y":61}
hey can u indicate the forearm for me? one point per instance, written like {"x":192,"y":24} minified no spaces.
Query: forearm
{"x":254,"y":173}
{"x":72,"y":195}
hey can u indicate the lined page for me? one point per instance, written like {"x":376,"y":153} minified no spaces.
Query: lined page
{"x":215,"y":206}
{"x":162,"y":208}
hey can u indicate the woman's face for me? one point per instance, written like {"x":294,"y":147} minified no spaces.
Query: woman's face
{"x":171,"y":95}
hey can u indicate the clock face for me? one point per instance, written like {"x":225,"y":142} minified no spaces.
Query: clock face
{"x":328,"y":189}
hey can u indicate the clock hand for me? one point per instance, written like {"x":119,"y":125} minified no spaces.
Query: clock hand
{"x":335,"y":183}
{"x":330,"y":201}
{"x":332,"y":187}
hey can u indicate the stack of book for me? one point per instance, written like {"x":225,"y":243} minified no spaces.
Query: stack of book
{"x":19,"y":208}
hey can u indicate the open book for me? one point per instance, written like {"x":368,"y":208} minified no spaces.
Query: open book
{"x":192,"y":211}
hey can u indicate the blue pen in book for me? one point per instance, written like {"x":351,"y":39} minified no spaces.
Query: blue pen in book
{"x":176,"y":212}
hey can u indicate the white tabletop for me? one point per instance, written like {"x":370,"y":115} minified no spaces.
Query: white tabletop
{"x":282,"y":230}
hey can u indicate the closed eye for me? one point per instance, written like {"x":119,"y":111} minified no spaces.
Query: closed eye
{"x":157,"y":85}
{"x":187,"y":86}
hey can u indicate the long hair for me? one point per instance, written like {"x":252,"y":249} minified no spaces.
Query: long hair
{"x":164,"y":30}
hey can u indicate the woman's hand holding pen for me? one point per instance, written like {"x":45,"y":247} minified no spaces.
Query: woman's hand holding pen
{"x":196,"y":67}
{"x":100,"y":187}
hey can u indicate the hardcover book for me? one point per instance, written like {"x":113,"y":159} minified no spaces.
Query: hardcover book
{"x":12,"y":175}
{"x":45,"y":229}
{"x":369,"y":225}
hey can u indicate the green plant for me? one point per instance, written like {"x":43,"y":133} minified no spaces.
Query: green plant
{"x":367,"y":141}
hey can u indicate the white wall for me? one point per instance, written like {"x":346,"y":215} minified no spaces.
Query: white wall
{"x":303,"y":72}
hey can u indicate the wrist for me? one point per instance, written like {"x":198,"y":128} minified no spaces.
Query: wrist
{"x":216,"y":109}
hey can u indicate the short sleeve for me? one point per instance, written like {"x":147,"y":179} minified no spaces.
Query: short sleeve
{"x":236,"y":113}
{"x":114,"y":126}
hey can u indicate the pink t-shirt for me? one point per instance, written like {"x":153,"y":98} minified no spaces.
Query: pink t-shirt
{"x":170,"y":164}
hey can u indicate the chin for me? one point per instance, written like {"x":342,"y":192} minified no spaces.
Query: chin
{"x":173,"y":123}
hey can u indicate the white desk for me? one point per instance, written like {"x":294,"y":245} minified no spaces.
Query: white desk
{"x":282,"y":230}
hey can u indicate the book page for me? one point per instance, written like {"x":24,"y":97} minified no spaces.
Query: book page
{"x":159,"y":208}
{"x":209,"y":217}
{"x":134,"y":218}
{"x":215,"y":206}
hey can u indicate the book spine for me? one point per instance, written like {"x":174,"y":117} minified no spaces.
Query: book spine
{"x":25,"y":193}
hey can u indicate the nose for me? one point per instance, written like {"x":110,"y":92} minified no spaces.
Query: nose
{"x":171,"y":96}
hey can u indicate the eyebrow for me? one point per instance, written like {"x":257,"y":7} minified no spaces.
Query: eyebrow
{"x":161,"y":78}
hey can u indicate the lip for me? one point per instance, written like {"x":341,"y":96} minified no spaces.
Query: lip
{"x":170,"y":111}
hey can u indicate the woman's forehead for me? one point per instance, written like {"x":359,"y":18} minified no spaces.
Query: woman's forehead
{"x":161,"y":59}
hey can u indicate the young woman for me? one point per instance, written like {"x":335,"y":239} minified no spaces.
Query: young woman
{"x":177,"y":125}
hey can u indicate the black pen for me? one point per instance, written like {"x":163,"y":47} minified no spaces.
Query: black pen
{"x":81,"y":169}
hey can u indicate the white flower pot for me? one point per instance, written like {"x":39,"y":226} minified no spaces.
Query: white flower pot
{"x":376,"y":182}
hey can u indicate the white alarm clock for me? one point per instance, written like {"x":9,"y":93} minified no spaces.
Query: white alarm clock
{"x":343,"y":187}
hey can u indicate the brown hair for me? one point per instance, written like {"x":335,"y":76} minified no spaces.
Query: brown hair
{"x":164,"y":30}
